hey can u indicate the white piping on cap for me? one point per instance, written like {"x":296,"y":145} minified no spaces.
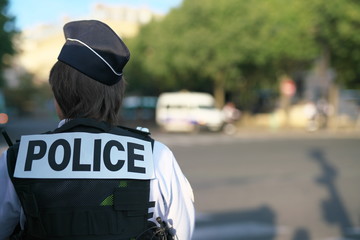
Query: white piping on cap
{"x":77,"y":40}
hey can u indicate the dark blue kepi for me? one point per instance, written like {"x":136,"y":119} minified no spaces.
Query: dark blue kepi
{"x":95,"y":50}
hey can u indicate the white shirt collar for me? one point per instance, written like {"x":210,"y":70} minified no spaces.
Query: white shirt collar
{"x":63,"y":121}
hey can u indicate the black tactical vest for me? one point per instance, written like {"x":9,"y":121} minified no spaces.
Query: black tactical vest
{"x":84,"y":209}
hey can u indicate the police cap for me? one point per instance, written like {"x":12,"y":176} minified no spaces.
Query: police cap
{"x":95,"y":50}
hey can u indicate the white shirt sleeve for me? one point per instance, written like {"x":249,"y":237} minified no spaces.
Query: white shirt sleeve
{"x":172,"y":193}
{"x":10,"y":207}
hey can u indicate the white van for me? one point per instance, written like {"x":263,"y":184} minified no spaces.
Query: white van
{"x":187,"y":112}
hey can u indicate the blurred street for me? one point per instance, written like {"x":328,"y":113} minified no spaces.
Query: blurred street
{"x":279,"y":186}
{"x":263,"y":185}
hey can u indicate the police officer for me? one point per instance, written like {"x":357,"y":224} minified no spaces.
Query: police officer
{"x":89,"y":179}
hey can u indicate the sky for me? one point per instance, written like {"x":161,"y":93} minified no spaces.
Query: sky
{"x":33,"y":12}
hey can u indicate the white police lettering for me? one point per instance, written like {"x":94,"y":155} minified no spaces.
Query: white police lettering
{"x":84,"y":155}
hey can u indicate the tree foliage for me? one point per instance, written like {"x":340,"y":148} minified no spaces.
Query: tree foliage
{"x":236,"y":46}
{"x":27,"y":97}
{"x":337,"y":30}
{"x":7,"y":32}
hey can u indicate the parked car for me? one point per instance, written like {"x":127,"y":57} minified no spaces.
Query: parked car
{"x":187,"y":112}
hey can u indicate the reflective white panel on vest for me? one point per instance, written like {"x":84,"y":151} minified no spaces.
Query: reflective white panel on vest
{"x":84,"y":155}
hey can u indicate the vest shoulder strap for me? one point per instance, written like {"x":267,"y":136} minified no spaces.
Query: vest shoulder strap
{"x":83,"y":125}
{"x":12,"y":153}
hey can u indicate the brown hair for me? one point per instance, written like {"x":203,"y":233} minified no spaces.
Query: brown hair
{"x":79,"y":96}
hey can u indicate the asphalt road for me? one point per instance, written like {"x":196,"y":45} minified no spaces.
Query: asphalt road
{"x":287,"y":186}
{"x":264,"y":186}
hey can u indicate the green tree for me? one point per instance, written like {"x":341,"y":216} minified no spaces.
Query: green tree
{"x":7,"y":33}
{"x":237,"y":46}
{"x":336,"y":31}
{"x":224,"y":44}
{"x":28,"y":97}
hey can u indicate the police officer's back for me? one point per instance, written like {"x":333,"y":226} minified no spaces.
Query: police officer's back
{"x":89,"y":178}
